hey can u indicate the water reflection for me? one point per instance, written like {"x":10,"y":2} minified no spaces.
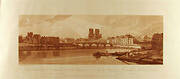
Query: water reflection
{"x":80,"y":54}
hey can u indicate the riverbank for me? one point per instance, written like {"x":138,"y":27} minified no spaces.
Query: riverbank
{"x":143,"y":57}
{"x":136,"y":56}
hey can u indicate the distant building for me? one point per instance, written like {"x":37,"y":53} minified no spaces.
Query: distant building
{"x":81,"y":40}
{"x":29,"y":38}
{"x":147,"y":39}
{"x":36,"y":39}
{"x":145,"y":45}
{"x":49,"y":40}
{"x":91,"y":34}
{"x":121,"y":40}
{"x":94,"y":36}
{"x":69,"y":40}
{"x":32,"y":38}
{"x":97,"y":34}
{"x":61,"y":41}
{"x":157,"y":41}
{"x":20,"y":39}
{"x":30,"y":34}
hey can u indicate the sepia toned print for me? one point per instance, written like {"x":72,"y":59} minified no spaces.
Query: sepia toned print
{"x":91,"y":39}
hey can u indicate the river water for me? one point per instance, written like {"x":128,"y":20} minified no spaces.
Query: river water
{"x":76,"y":56}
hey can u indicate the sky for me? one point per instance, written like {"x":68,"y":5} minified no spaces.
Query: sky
{"x":76,"y":26}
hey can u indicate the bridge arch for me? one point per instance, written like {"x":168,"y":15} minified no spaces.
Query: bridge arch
{"x":80,"y":44}
{"x":86,"y":45}
{"x":94,"y":45}
{"x":109,"y":45}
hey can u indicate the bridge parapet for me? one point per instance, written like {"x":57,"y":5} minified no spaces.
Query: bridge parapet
{"x":94,"y":44}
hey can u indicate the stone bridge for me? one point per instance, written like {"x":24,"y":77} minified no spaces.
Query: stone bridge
{"x":94,"y":44}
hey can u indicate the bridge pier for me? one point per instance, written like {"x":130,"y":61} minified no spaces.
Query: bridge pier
{"x":98,"y":45}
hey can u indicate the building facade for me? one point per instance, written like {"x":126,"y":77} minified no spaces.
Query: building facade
{"x":97,"y":34}
{"x":121,"y":40}
{"x":157,"y":41}
{"x":91,"y":34}
{"x":49,"y":40}
{"x":38,"y":39}
{"x":94,"y":35}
